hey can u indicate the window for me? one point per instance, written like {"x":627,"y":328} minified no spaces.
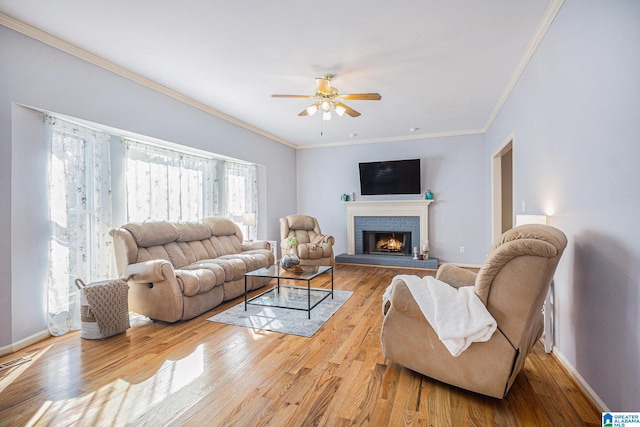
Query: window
{"x":80,"y":218}
{"x":241,"y":184}
{"x":165,"y":184}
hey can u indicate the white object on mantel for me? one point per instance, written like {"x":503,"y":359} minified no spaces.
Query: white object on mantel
{"x":548,"y":301}
{"x":419,"y":208}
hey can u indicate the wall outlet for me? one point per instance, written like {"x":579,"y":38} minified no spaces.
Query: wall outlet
{"x":461,"y":249}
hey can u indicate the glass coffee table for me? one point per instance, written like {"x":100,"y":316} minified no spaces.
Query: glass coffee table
{"x":287,"y":296}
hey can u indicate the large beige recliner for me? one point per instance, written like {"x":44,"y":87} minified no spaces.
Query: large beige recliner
{"x":313,"y":247}
{"x":512,"y":284}
{"x":177,"y":271}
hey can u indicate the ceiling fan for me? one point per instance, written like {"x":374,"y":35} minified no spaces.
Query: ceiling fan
{"x":327,"y":97}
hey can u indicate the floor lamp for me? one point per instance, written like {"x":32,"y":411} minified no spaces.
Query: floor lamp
{"x":547,"y":308}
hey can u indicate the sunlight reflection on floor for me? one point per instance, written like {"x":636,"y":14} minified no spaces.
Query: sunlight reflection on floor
{"x":119,"y":402}
{"x":15,"y":372}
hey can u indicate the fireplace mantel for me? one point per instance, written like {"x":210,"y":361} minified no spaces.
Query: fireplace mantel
{"x":419,"y":208}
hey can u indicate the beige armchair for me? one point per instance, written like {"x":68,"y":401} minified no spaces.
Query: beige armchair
{"x":313,"y":247}
{"x":512,"y":284}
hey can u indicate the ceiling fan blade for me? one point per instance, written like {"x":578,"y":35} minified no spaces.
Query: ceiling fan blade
{"x":324,"y":85}
{"x":278,"y":95}
{"x":361,"y":96}
{"x":310,"y":110}
{"x":350,"y":111}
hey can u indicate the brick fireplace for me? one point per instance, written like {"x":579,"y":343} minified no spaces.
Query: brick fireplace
{"x":387,"y":216}
{"x":401,"y":215}
{"x":367,"y":228}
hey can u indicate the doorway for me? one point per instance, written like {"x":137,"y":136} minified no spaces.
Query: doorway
{"x":502,"y":189}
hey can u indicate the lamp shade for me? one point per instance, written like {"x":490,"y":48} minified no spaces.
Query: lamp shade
{"x":249,"y":218}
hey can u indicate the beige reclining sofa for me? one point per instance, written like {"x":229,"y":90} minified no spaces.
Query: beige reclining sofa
{"x":177,"y":271}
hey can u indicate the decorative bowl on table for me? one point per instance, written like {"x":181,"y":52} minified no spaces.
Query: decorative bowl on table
{"x":289,"y":260}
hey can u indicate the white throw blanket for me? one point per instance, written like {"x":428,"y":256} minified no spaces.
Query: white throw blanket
{"x":456,"y":314}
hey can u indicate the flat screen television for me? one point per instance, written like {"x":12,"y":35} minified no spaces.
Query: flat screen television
{"x":390,"y":177}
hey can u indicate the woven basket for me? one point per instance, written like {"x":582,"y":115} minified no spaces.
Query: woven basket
{"x":110,"y":315}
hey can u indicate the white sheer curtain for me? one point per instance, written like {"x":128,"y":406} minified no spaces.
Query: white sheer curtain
{"x":80,"y":218}
{"x":165,"y":184}
{"x":241,"y":185}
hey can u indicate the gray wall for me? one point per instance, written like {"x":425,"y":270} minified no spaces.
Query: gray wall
{"x":575,"y":113}
{"x":38,"y":75}
{"x":452,"y":167}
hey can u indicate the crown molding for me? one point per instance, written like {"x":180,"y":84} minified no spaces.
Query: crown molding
{"x":552,"y":10}
{"x":413,"y":137}
{"x":94,"y":59}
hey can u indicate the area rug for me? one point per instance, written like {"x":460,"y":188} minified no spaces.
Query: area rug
{"x":284,"y":320}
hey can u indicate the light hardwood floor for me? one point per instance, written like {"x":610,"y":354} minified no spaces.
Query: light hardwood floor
{"x":201,"y":373}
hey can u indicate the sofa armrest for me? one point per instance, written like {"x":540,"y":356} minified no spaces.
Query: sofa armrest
{"x":329,"y":239}
{"x":456,"y":276}
{"x":402,"y":300}
{"x":152,"y":271}
{"x":255,"y":244}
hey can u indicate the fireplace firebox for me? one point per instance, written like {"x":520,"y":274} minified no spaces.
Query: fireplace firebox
{"x":387,"y":242}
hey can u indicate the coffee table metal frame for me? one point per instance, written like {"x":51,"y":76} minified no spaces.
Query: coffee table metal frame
{"x":276,"y":271}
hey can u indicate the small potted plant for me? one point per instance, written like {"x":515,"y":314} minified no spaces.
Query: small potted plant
{"x":291,"y":258}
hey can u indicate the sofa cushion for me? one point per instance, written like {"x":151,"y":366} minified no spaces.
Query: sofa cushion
{"x":190,"y":231}
{"x":152,"y":233}
{"x":234,"y":268}
{"x":220,"y":226}
{"x":153,"y":252}
{"x":197,"y":250}
{"x":269,"y":258}
{"x":198,"y":281}
{"x":253,"y":259}
{"x":226,"y":237}
{"x":308,"y":251}
{"x":225,"y":245}
{"x":301,"y":222}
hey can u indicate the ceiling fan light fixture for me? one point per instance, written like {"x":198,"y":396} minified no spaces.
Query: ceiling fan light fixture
{"x":327,"y":97}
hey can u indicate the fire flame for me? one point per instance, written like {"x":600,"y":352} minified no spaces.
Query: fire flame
{"x":392,"y":244}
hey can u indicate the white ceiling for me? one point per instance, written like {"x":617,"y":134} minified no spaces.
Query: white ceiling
{"x":443,"y":67}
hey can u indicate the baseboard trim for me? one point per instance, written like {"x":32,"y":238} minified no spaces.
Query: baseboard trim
{"x":584,"y":386}
{"x":472,"y":266}
{"x":25,"y":342}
